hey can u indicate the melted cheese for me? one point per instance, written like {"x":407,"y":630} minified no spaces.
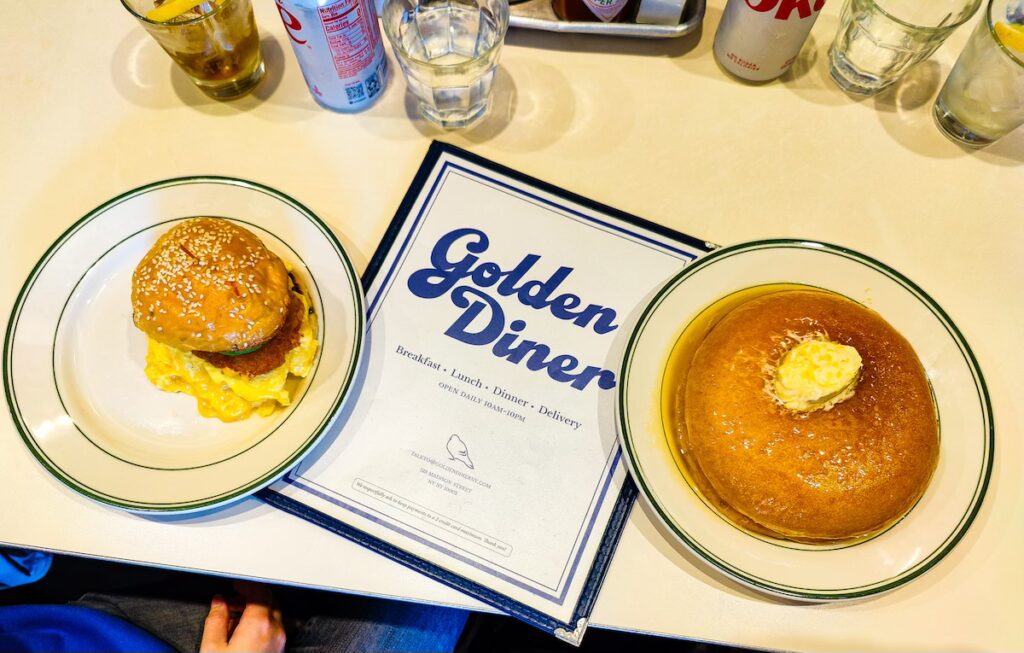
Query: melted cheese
{"x":226,"y":394}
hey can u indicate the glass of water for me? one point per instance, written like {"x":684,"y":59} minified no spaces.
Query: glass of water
{"x":880,"y":40}
{"x":983,"y":98}
{"x":448,"y":51}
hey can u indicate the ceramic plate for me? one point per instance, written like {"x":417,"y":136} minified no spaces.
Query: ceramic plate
{"x":840,"y":571}
{"x":74,"y":361}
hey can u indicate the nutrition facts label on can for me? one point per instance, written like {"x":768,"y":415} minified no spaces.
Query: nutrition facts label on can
{"x":348,"y":30}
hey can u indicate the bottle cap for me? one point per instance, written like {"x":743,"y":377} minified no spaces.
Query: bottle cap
{"x":660,"y":12}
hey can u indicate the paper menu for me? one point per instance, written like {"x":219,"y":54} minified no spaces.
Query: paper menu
{"x":480,"y":444}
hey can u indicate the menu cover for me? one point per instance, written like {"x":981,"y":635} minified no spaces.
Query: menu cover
{"x":479,"y":445}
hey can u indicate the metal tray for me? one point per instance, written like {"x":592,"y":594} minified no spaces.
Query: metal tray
{"x":538,"y":14}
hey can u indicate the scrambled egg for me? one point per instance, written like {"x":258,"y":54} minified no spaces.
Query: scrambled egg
{"x":817,"y":374}
{"x":226,"y":394}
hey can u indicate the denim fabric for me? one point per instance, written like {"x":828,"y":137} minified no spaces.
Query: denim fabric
{"x":385,"y":627}
{"x":353,"y":625}
{"x":177,"y":622}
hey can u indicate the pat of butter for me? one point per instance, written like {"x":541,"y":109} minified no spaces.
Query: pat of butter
{"x":817,"y":374}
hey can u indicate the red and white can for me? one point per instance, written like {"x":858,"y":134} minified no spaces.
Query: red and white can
{"x":760,"y":39}
{"x":339,"y":48}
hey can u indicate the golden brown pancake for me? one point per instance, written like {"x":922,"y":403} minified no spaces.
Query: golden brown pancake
{"x":819,"y":475}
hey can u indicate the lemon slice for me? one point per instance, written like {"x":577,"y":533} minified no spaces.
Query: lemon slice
{"x":1012,"y":35}
{"x":171,"y":9}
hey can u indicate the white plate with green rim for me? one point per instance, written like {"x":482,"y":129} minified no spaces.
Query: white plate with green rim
{"x":74,"y":362}
{"x":851,"y":570}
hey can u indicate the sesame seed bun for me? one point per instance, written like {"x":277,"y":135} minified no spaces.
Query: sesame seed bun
{"x":210,"y":285}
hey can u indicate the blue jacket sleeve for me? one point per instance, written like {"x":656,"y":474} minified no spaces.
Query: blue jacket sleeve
{"x":20,"y":566}
{"x":71,"y":629}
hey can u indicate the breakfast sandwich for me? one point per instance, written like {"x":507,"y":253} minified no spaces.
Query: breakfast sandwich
{"x":226,"y":321}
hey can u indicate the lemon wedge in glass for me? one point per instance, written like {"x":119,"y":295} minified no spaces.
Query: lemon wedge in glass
{"x":171,"y":9}
{"x":1011,"y":35}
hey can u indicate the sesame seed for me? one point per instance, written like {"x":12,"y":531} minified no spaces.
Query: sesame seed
{"x":193,"y":261}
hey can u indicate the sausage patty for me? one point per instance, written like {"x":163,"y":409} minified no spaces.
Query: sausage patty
{"x":272,"y":354}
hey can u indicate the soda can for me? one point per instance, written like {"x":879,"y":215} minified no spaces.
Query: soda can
{"x":339,"y":48}
{"x":759,"y":40}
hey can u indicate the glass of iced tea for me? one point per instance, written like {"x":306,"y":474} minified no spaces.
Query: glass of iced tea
{"x":214,"y":41}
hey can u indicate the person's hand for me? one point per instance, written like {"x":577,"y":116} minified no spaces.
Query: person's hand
{"x":258,"y":630}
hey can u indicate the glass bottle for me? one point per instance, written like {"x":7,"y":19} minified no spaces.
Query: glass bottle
{"x":605,"y":11}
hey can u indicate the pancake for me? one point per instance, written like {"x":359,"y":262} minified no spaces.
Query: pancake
{"x":847,"y":469}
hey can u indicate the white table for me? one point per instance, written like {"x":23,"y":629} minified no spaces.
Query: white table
{"x":90,"y":107}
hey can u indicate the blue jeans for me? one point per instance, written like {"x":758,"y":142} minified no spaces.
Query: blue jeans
{"x":351,"y":625}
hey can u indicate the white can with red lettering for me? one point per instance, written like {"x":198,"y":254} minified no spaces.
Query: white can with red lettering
{"x":339,"y":48}
{"x":760,"y":39}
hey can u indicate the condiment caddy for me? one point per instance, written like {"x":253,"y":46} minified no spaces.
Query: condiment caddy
{"x":540,"y":15}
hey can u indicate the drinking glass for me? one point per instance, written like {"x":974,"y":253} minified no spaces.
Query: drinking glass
{"x":880,"y":40}
{"x":448,"y":51}
{"x":214,"y":41}
{"x":983,"y":98}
